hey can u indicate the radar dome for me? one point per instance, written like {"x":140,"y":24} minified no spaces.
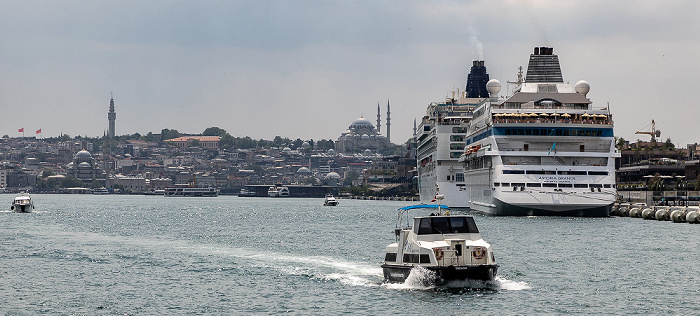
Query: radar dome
{"x":582,"y":87}
{"x":493,"y":87}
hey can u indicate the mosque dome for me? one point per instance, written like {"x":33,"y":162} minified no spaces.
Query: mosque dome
{"x":332,"y":175}
{"x":84,"y":165}
{"x":362,"y":122}
{"x":303,"y":170}
{"x":286,"y":150}
{"x":331,"y":151}
{"x":305,"y":145}
{"x":70,"y":165}
{"x":368,"y":152}
{"x":365,"y":136}
{"x":83,"y":154}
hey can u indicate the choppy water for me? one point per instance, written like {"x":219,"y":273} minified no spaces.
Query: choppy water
{"x":136,"y":255}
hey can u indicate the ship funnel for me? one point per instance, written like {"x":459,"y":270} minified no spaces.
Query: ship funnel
{"x":476,"y":81}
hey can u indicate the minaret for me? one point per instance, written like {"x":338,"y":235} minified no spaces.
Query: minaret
{"x":388,"y":123}
{"x":112,"y":116}
{"x":379,"y":121}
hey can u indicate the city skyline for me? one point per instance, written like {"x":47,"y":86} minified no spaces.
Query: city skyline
{"x":310,"y":68}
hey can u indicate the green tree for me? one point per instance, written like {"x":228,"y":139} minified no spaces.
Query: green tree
{"x":214,"y":131}
{"x":668,"y":144}
{"x":71,"y":182}
{"x":620,"y":143}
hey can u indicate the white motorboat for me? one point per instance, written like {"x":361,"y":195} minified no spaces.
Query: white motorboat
{"x":330,"y":201}
{"x":22,"y":203}
{"x":448,"y":246}
{"x":100,"y":191}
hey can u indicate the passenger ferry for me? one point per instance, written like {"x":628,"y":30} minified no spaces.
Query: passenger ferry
{"x":192,"y":191}
{"x":440,"y":139}
{"x":545,"y":150}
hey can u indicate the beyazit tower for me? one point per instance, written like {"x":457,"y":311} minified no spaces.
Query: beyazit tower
{"x":112,"y":116}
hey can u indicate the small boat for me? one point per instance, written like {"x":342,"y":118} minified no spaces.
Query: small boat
{"x":100,"y":191}
{"x":448,"y":246}
{"x":22,"y":203}
{"x":272,"y":191}
{"x":330,"y":201}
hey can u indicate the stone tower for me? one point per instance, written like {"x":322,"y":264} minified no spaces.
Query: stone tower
{"x":112,"y":116}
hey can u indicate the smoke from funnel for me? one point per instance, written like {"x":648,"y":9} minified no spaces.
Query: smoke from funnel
{"x":476,"y":44}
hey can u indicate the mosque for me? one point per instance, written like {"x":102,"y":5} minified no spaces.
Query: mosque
{"x":85,"y":168}
{"x":362,"y":137}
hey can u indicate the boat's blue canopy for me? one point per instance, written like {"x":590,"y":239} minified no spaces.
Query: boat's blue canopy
{"x":405,"y":208}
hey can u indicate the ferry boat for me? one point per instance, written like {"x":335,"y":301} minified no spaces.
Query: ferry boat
{"x":544,"y":150}
{"x":278,"y":191}
{"x":449,"y":246}
{"x":440,"y":141}
{"x":192,"y":191}
{"x":22,"y":203}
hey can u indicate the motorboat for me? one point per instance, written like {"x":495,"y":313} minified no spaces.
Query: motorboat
{"x":330,"y":201}
{"x":100,"y":191}
{"x":272,"y":191}
{"x":22,"y":203}
{"x":448,"y":246}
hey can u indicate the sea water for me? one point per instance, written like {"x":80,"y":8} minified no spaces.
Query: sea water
{"x":146,"y":255}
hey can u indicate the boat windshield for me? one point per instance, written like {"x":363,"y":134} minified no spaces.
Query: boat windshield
{"x":446,"y":225}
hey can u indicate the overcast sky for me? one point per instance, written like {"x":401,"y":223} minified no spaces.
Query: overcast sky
{"x":307,"y":69}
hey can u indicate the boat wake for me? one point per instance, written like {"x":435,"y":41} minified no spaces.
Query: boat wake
{"x":422,"y":279}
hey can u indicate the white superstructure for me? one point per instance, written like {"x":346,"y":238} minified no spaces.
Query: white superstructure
{"x":545,"y":150}
{"x":440,"y":141}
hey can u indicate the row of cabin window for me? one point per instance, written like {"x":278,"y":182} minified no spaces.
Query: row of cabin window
{"x":553,"y":132}
{"x":447,"y":225}
{"x":570,"y":173}
{"x":408,"y":258}
{"x":553,"y":185}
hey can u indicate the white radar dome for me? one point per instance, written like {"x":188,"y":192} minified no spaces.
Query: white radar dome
{"x":582,"y":87}
{"x":493,"y":87}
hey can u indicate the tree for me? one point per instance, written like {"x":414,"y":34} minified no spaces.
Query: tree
{"x":620,"y":143}
{"x":194,"y":143}
{"x":350,"y":177}
{"x":668,"y":145}
{"x":214,"y":131}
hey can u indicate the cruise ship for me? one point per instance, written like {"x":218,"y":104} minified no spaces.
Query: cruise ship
{"x":440,"y":141}
{"x":544,"y":150}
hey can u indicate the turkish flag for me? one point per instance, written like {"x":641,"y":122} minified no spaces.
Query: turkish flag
{"x":39,"y":131}
{"x":21,"y":130}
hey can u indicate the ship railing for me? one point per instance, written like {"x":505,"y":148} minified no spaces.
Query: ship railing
{"x":552,"y":121}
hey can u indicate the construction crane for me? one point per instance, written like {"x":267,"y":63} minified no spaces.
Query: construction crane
{"x":654,"y":133}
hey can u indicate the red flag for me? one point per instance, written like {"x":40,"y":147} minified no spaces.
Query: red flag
{"x":39,"y":131}
{"x":21,"y":130}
